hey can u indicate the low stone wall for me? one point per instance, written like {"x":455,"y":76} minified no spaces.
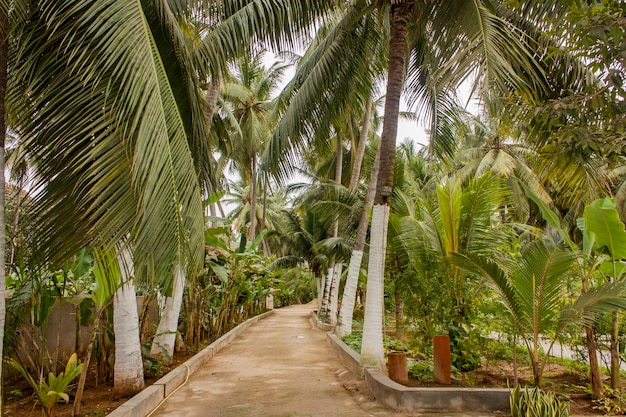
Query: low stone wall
{"x":150,"y":398}
{"x":418,"y":399}
{"x":320,"y":325}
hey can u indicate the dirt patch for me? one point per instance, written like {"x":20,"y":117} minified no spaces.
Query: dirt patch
{"x":98,"y":400}
{"x":557,"y":378}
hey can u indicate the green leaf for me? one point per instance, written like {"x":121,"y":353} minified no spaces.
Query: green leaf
{"x":551,"y":217}
{"x":602,"y":219}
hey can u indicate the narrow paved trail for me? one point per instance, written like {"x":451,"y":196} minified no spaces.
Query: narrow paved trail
{"x":280,"y":366}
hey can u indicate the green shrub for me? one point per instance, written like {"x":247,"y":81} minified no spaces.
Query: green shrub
{"x":57,"y":387}
{"x":533,"y":402}
{"x":422,"y":370}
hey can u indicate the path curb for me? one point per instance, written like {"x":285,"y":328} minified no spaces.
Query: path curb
{"x":419,"y":399}
{"x":150,"y":398}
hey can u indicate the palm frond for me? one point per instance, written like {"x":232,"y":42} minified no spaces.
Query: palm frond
{"x":106,"y":131}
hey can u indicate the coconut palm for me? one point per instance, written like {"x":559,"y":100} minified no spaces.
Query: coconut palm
{"x":118,"y":160}
{"x":247,"y":97}
{"x":439,"y":44}
{"x":533,"y":290}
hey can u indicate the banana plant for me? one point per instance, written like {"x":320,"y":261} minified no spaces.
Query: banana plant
{"x":604,"y":236}
{"x":602,"y":253}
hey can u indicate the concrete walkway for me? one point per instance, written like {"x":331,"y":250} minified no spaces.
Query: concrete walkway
{"x":280,"y":366}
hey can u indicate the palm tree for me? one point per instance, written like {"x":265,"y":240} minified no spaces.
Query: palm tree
{"x":533,"y":290}
{"x":247,"y":94}
{"x":123,"y":134}
{"x":446,"y":41}
{"x":490,"y":143}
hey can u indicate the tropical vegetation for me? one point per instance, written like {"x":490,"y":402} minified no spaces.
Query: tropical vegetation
{"x":213,"y":158}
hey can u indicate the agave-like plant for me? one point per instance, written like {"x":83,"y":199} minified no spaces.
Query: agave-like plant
{"x":57,"y":386}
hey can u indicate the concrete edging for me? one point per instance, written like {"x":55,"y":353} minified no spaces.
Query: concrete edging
{"x":150,"y":398}
{"x":421,"y":399}
{"x":320,"y":325}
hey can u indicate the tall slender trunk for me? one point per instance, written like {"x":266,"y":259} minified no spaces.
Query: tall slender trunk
{"x":16,"y":220}
{"x":400,"y":317}
{"x":265,"y":245}
{"x":4,"y":52}
{"x":253,"y":200}
{"x":83,"y":375}
{"x":334,"y":293}
{"x":597,"y":388}
{"x":595,"y":375}
{"x":337,"y":267}
{"x":327,"y":283}
{"x":372,"y":350}
{"x":360,"y":151}
{"x":395,"y":81}
{"x":211,"y":98}
{"x":165,"y":339}
{"x":128,"y":368}
{"x":352,"y":280}
{"x":213,"y":213}
{"x":616,"y":380}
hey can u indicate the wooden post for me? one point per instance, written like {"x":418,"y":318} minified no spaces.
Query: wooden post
{"x":441,"y":357}
{"x":398,"y":369}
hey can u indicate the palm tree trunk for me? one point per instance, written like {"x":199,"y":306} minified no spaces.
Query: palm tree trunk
{"x":128,"y":368}
{"x":400,"y":317}
{"x":337,"y":267}
{"x":4,"y":52}
{"x":349,"y":292}
{"x":616,"y":381}
{"x":253,"y":198}
{"x":83,"y":375}
{"x":372,"y":350}
{"x":265,"y":244}
{"x":334,"y":293}
{"x":16,"y":220}
{"x":597,"y":389}
{"x":327,"y":283}
{"x":211,"y":98}
{"x":595,"y":375}
{"x":165,"y":339}
{"x":395,"y":81}
{"x":360,"y":152}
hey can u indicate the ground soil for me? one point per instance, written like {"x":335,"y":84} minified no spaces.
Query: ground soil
{"x":557,"y":379}
{"x":99,"y":401}
{"x":21,"y":401}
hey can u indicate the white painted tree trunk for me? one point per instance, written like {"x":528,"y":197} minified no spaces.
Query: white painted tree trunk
{"x":349,"y":293}
{"x":372,"y":348}
{"x":319,"y":281}
{"x":334,"y":293}
{"x":352,"y":280}
{"x":328,"y":282}
{"x":165,"y":339}
{"x":128,"y":368}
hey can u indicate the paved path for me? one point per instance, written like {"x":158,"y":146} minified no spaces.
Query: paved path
{"x":281,"y":366}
